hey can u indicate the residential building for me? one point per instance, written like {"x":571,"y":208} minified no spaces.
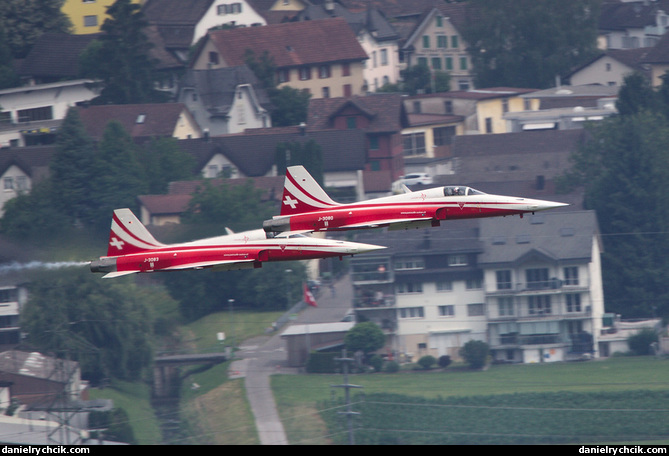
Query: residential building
{"x":610,"y":67}
{"x":87,"y":16}
{"x":322,"y":57}
{"x":12,"y":300}
{"x":632,"y":24}
{"x":32,"y":114}
{"x":21,"y":168}
{"x":531,"y":288}
{"x":225,"y":100}
{"x":437,"y":43}
{"x":380,"y":116}
{"x":142,"y":121}
{"x":657,"y":59}
{"x":182,"y":24}
{"x":376,"y":35}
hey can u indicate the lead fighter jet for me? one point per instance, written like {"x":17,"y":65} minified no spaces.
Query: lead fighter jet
{"x":306,"y":207}
{"x":133,"y":249}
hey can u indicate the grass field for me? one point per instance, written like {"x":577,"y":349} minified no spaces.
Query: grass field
{"x":301,"y":398}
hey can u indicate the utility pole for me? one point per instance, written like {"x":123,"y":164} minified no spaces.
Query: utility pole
{"x":347,"y":394}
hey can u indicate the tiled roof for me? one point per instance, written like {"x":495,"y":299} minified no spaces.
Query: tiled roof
{"x":175,"y":12}
{"x":658,"y":53}
{"x":291,"y":44}
{"x":55,"y":55}
{"x":385,"y":111}
{"x":139,"y":120}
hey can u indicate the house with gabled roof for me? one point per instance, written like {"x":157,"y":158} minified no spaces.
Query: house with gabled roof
{"x":182,"y":24}
{"x":225,"y":100}
{"x":322,"y":57}
{"x":375,"y":33}
{"x":142,"y":121}
{"x":21,"y":168}
{"x":632,"y":24}
{"x":610,"y":67}
{"x":657,"y":59}
{"x":380,"y":116}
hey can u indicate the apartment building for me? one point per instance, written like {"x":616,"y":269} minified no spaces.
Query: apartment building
{"x":531,"y":288}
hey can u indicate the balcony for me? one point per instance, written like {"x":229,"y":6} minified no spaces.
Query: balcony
{"x":556,"y":312}
{"x":550,"y":286}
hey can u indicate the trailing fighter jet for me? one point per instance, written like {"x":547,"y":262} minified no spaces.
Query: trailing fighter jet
{"x":133,"y":249}
{"x":306,"y":207}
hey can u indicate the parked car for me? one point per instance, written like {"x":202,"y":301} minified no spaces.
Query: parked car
{"x":416,"y":179}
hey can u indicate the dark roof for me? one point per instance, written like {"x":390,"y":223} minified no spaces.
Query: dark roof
{"x":139,"y":120}
{"x":253,"y":152}
{"x":371,"y":20}
{"x":33,"y":160}
{"x":518,"y":143}
{"x":658,"y":53}
{"x":393,"y":8}
{"x":291,"y":44}
{"x":384,"y":110}
{"x":617,"y":15}
{"x":216,"y":88}
{"x":55,"y":55}
{"x":175,"y":20}
{"x":556,"y":236}
{"x":633,"y":58}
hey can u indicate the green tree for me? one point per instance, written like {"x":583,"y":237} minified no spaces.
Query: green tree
{"x":164,"y":162}
{"x":100,"y":324}
{"x":26,"y":20}
{"x":73,"y":167}
{"x":366,"y":337}
{"x":475,"y":353}
{"x":419,"y":79}
{"x":121,"y":58}
{"x":290,"y":106}
{"x":119,"y":177}
{"x":636,"y":95}
{"x":527,"y":43}
{"x":307,"y":154}
{"x":8,"y":77}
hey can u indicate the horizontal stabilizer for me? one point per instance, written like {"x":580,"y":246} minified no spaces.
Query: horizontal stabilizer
{"x":112,"y":275}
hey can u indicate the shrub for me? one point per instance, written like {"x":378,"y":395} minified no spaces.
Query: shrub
{"x":376,"y":362}
{"x":427,"y":361}
{"x":475,"y":353}
{"x":392,"y":367}
{"x":444,"y":361}
{"x":640,"y":342}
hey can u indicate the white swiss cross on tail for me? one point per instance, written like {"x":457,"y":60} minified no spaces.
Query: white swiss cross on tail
{"x":290,"y":202}
{"x":115,"y":242}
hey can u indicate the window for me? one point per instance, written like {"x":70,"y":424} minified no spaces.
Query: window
{"x":373,"y":143}
{"x":443,"y":135}
{"x":351,"y":123}
{"x":90,"y":21}
{"x":474,"y":284}
{"x":463,"y":63}
{"x":447,"y":311}
{"x":488,"y":125}
{"x":411,"y":312}
{"x":436,"y":63}
{"x":449,"y":63}
{"x":213,"y":58}
{"x":325,"y":92}
{"x":505,"y":105}
{"x":283,"y":75}
{"x":414,"y":144}
{"x":504,"y":280}
{"x":409,"y":287}
{"x":448,"y":105}
{"x":454,"y":41}
{"x":505,"y":307}
{"x":442,"y":41}
{"x":537,"y":278}
{"x":34,"y":114}
{"x":539,"y":305}
{"x":571,"y":275}
{"x":348,"y":90}
{"x":346,"y":69}
{"x":324,"y":71}
{"x":8,"y":183}
{"x":444,"y":285}
{"x":305,"y":73}
{"x":439,"y":21}
{"x":409,"y":263}
{"x":422,"y":61}
{"x":384,"y":57}
{"x":475,"y":310}
{"x":426,"y":41}
{"x":457,"y":260}
{"x":573,"y":302}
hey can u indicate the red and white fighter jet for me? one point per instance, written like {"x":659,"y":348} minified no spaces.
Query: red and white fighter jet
{"x":133,"y":249}
{"x":306,"y":207}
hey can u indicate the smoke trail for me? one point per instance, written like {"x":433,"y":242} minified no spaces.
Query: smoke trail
{"x":16,"y":266}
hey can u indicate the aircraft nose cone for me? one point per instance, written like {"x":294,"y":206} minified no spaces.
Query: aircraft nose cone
{"x":540,"y":205}
{"x":363,"y":248}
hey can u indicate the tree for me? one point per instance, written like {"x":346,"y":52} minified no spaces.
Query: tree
{"x":102,"y":325}
{"x":475,"y":353}
{"x":527,"y":43}
{"x":121,"y":58}
{"x":290,"y":106}
{"x":419,"y":79}
{"x":635,"y":95}
{"x":366,"y":337}
{"x":25,"y":20}
{"x":164,"y":162}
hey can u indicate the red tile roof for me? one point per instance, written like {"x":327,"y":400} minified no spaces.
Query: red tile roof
{"x":291,"y":44}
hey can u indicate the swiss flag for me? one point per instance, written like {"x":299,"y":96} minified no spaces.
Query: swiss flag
{"x":309,"y":297}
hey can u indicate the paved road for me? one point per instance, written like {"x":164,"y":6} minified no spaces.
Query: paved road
{"x":264,"y":356}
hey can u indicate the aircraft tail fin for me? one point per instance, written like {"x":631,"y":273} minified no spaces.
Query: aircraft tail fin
{"x":129,"y":235}
{"x":301,"y":193}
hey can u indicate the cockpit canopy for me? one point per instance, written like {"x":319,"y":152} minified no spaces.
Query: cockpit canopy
{"x":460,"y":190}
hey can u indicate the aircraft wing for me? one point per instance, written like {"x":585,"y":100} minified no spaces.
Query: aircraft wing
{"x":111,"y":275}
{"x":381,"y":223}
{"x":215,"y":265}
